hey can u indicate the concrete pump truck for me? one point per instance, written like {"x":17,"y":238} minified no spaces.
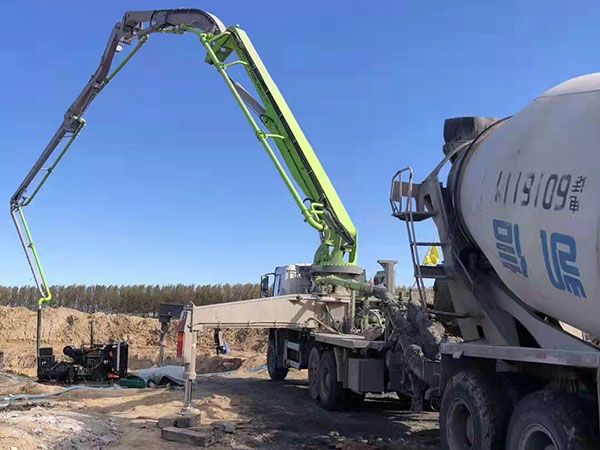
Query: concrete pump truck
{"x":353,"y":338}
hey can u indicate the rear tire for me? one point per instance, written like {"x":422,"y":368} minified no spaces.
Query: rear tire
{"x":276,"y":373}
{"x":474,"y":412}
{"x":550,"y":419}
{"x":313,"y":373}
{"x":331,"y":392}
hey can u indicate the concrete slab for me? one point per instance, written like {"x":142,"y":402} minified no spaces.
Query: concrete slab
{"x":167,"y":421}
{"x":180,"y":421}
{"x":189,"y":421}
{"x":199,"y":438}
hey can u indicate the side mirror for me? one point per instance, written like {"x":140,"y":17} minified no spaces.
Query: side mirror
{"x":265,"y":285}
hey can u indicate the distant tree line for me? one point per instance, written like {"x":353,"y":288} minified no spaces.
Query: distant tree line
{"x":138,"y":299}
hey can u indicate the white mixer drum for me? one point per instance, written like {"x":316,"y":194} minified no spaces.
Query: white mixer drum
{"x":528,"y":198}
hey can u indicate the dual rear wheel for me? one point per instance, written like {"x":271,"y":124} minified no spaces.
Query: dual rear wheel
{"x":323,"y":384}
{"x":483,"y":411}
{"x":313,"y":373}
{"x":551,"y":420}
{"x":475,"y":411}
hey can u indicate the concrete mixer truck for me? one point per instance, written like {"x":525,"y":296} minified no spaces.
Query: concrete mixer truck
{"x":518,"y":227}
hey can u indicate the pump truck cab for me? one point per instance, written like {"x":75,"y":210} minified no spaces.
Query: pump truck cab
{"x":294,"y":278}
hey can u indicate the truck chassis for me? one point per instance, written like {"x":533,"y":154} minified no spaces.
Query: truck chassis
{"x":304,"y":334}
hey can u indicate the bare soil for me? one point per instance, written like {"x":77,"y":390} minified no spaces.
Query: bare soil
{"x":242,"y":407}
{"x":65,"y":326}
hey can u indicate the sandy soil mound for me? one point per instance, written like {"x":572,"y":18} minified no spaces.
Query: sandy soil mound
{"x":62,"y":326}
{"x":218,"y":407}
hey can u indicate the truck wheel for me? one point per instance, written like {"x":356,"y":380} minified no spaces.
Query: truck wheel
{"x":331,"y":392}
{"x":550,"y":420}
{"x":313,"y":373}
{"x":474,"y":412}
{"x":275,"y":373}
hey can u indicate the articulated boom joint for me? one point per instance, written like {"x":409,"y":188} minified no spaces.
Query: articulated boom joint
{"x":328,"y":216}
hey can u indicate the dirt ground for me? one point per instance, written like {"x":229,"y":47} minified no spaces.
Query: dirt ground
{"x":242,"y":407}
{"x":65,"y":326}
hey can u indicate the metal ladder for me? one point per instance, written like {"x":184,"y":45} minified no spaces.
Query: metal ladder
{"x":413,"y":211}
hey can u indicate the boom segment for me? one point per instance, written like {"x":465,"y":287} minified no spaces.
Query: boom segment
{"x":320,"y":204}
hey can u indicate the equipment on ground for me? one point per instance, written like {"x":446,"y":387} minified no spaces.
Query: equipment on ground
{"x":518,"y":226}
{"x":97,"y":362}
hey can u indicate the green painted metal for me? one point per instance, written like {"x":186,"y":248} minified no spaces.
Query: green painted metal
{"x":123,"y":63}
{"x":50,"y":169}
{"x":44,"y":288}
{"x":322,"y":208}
{"x":360,"y":287}
{"x":81,"y":122}
{"x":26,"y":238}
{"x":312,"y":219}
{"x":326,"y":211}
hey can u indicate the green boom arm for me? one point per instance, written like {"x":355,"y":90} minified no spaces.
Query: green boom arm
{"x":321,"y":207}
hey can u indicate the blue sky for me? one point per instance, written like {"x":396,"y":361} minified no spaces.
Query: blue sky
{"x":167,"y":183}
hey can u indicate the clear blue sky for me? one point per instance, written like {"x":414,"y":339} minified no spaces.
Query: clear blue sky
{"x":167,"y":184}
